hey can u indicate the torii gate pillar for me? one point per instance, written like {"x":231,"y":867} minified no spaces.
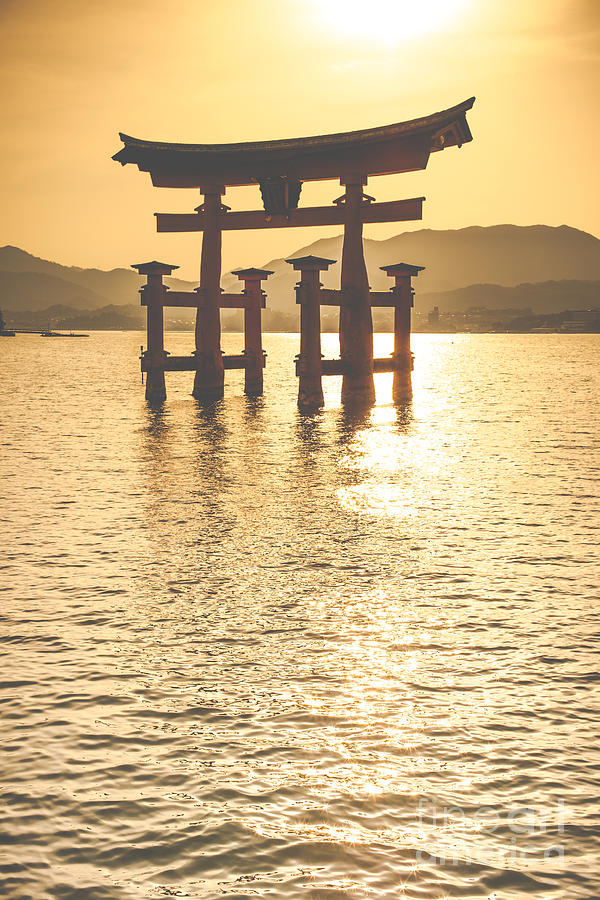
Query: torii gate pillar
{"x":210,"y":374}
{"x":253,"y":351}
{"x":402,"y":273}
{"x":153,"y":298}
{"x":356,"y":321}
{"x":308,"y":363}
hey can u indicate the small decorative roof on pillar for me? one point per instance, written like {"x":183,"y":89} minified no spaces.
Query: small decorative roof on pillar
{"x":252,"y":274}
{"x":154,"y":268}
{"x":401,"y":269}
{"x":314,"y":263}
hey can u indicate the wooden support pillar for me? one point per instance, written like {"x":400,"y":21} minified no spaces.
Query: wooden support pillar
{"x":253,"y":350}
{"x":308,"y":366}
{"x":404,"y":293}
{"x":403,"y":358}
{"x":209,"y":379}
{"x":356,"y":322}
{"x":153,"y":298}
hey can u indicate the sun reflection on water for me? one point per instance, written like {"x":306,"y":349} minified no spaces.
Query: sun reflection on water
{"x":378,"y":451}
{"x":257,"y":678}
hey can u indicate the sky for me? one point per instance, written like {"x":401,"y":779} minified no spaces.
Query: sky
{"x":74,"y":74}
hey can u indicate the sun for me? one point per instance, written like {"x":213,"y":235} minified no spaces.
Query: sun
{"x":389,"y":21}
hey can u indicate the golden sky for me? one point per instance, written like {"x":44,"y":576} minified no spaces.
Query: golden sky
{"x":75,"y":74}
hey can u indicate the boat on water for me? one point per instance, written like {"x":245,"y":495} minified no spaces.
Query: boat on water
{"x":61,"y":334}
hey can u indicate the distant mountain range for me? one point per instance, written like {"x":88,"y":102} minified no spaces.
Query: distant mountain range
{"x":506,"y":255}
{"x":539,"y":267}
{"x":540,"y":297}
{"x":30,"y":283}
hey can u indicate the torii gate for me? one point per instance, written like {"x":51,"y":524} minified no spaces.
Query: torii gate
{"x":279,"y":168}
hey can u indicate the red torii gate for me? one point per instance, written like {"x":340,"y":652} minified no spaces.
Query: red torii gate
{"x":279,"y":168}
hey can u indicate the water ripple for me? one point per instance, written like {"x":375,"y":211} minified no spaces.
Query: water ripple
{"x":252,"y":654}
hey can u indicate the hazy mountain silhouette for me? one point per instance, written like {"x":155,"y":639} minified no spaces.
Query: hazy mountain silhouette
{"x":37,"y":290}
{"x":30,"y":283}
{"x":477,"y":258}
{"x":540,"y":297}
{"x":505,"y":255}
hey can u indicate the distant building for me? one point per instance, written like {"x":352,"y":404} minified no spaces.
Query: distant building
{"x":434,"y":315}
{"x":581,"y":321}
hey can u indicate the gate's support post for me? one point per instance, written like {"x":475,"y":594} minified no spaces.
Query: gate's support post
{"x":308,"y":363}
{"x":403,"y":358}
{"x":356,"y":322}
{"x":253,"y":351}
{"x":153,"y":296}
{"x":210,"y":376}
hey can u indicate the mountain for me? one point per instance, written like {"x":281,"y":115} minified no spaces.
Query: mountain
{"x":505,"y":255}
{"x":30,"y":283}
{"x":476,"y":258}
{"x":500,"y":254}
{"x":37,"y":290}
{"x":541,"y":297}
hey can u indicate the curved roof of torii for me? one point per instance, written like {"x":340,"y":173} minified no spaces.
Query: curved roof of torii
{"x":389,"y":149}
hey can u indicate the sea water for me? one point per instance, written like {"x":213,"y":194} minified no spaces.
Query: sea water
{"x":252,"y":654}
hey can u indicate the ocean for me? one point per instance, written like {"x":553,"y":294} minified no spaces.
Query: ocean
{"x":251,"y":654}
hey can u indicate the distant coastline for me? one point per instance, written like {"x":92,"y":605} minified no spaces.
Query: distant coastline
{"x":475,"y":319}
{"x":580,"y":322}
{"x":501,"y":278}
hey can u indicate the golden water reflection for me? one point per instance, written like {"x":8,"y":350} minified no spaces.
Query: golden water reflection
{"x":375,"y":452}
{"x":250,"y":671}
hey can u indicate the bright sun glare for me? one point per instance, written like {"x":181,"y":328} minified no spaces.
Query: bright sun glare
{"x":387,"y":20}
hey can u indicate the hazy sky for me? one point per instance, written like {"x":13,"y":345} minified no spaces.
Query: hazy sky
{"x":75,"y":74}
